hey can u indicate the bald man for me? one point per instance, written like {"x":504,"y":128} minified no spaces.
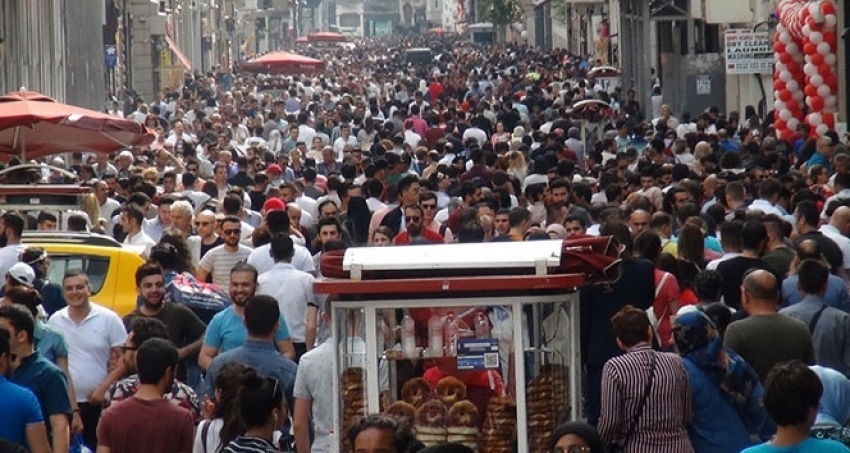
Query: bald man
{"x":823,"y":155}
{"x":836,"y":229}
{"x":767,"y":337}
{"x":709,"y":186}
{"x":205,"y":238}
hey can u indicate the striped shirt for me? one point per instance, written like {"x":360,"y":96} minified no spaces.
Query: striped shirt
{"x":218,"y":262}
{"x":662,"y":425}
{"x":250,"y":444}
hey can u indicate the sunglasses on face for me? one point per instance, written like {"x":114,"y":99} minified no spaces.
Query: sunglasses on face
{"x":413,"y":219}
{"x":428,"y":206}
{"x":230,"y":232}
{"x":572,"y":449}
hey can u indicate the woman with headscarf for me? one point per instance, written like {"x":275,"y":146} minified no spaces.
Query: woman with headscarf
{"x":576,"y":437}
{"x":725,"y":391}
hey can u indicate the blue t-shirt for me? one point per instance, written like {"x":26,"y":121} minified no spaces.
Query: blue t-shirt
{"x":808,"y":445}
{"x":46,"y":381}
{"x":50,"y":343}
{"x":19,"y":409}
{"x":227,"y":331}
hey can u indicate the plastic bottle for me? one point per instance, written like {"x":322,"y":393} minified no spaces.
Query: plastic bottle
{"x":451,"y":335}
{"x":408,"y":337}
{"x":482,"y":326}
{"x":435,"y":336}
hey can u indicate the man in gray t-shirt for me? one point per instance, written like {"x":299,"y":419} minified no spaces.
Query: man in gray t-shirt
{"x":314,"y":398}
{"x":220,"y":260}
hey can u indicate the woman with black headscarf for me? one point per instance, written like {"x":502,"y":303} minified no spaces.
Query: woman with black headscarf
{"x":725,"y":391}
{"x":576,"y":437}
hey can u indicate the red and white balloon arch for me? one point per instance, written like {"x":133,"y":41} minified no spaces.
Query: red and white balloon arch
{"x":805,"y":81}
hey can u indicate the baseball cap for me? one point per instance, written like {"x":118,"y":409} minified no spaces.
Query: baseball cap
{"x":274,"y":204}
{"x":22,"y":273}
{"x":274,"y":169}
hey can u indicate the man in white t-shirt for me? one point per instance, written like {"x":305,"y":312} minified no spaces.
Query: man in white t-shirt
{"x":94,"y":335}
{"x":131,"y":223}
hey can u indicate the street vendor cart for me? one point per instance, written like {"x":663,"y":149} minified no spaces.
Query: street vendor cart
{"x":473,"y":343}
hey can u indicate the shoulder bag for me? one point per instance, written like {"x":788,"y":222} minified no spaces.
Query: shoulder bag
{"x":620,"y":447}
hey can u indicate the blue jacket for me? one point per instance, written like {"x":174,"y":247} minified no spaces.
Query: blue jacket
{"x":716,"y":426}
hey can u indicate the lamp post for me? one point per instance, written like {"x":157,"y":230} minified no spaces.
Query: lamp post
{"x":771,"y":22}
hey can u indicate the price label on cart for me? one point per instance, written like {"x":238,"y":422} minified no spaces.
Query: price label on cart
{"x":477,"y":353}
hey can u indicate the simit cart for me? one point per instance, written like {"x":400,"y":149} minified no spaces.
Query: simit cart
{"x":475,"y":343}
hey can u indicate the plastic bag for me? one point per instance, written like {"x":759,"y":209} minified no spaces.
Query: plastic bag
{"x":78,"y":445}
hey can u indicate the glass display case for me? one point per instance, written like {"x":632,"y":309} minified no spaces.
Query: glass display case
{"x":491,"y":362}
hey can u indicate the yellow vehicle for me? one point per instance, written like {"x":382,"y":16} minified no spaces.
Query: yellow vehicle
{"x":111,"y":266}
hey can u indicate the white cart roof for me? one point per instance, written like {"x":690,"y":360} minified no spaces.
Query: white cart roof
{"x":493,"y":255}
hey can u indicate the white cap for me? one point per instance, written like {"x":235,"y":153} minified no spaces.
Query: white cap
{"x":22,"y":273}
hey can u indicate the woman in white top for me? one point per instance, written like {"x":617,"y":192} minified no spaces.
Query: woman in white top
{"x":221,"y":424}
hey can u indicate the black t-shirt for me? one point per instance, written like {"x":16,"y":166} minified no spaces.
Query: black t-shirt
{"x":184,"y":327}
{"x":827,"y":246}
{"x":206,"y":248}
{"x":732,"y":272}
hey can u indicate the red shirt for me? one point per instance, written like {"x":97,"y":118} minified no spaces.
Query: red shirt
{"x":432,"y":237}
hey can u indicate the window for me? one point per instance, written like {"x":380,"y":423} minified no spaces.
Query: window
{"x":349,"y":20}
{"x":95,"y":266}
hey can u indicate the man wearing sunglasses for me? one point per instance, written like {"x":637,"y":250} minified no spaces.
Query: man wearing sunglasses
{"x":416,"y":233}
{"x":218,"y":261}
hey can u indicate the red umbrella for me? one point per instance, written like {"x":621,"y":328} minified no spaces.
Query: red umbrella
{"x":34,"y":125}
{"x":327,"y":36}
{"x":592,"y":110}
{"x":302,"y":40}
{"x":283,"y":63}
{"x":437,"y":31}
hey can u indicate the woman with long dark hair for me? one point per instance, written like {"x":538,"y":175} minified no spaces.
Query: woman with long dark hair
{"x":223,"y":423}
{"x":263,"y":410}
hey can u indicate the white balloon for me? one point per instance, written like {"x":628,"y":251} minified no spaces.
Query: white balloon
{"x":824,"y":91}
{"x":778,"y":104}
{"x":785,"y":76}
{"x":824,"y":48}
{"x":830,"y":59}
{"x":830,"y":101}
{"x":798,"y":95}
{"x":814,"y":8}
{"x":806,"y":30}
{"x":809,"y":101}
{"x":524,"y":34}
{"x":792,"y":124}
{"x":785,"y":38}
{"x":779,"y":66}
{"x":816,"y":37}
{"x":816,"y":80}
{"x":830,"y":20}
{"x":815,"y":119}
{"x":822,"y":129}
{"x":785,"y":115}
{"x":792,"y":86}
{"x":809,"y":69}
{"x":780,"y":28}
{"x":792,"y":49}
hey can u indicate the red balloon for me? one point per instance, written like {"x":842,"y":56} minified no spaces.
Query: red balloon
{"x":830,"y":38}
{"x":816,"y":59}
{"x":824,"y":70}
{"x":810,"y":21}
{"x":780,"y":125}
{"x":778,"y":85}
{"x":811,"y":90}
{"x":810,"y":48}
{"x":831,"y":81}
{"x":829,"y":119}
{"x":816,"y":103}
{"x":827,"y":8}
{"x":784,"y":95}
{"x":779,"y":47}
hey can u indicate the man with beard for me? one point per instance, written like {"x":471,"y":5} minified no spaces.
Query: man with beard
{"x":185,"y":329}
{"x":227,"y":328}
{"x":142,"y":329}
{"x":219,"y":261}
{"x":416,"y":233}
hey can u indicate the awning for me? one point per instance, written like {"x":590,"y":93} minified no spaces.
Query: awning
{"x":180,"y":56}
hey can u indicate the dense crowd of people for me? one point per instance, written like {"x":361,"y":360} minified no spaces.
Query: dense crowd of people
{"x":728,"y":327}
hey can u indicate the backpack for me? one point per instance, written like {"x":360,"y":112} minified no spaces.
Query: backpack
{"x":205,"y":299}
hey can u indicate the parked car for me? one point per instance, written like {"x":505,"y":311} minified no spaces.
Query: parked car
{"x":111,"y":266}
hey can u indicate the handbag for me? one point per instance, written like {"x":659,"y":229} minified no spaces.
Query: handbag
{"x":620,"y":447}
{"x":78,"y":445}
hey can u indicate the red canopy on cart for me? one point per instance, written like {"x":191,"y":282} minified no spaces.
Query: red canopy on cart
{"x":284,"y":63}
{"x":327,"y":37}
